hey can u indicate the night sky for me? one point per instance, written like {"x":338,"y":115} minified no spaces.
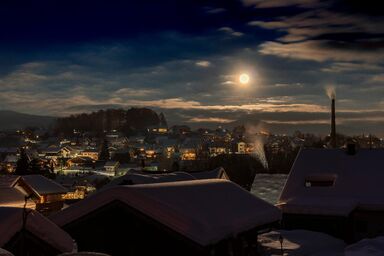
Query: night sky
{"x":184,"y":58}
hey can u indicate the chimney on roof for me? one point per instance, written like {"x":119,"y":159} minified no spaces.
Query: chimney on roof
{"x":333,"y":125}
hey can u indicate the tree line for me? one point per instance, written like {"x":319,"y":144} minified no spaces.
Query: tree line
{"x":130,"y":122}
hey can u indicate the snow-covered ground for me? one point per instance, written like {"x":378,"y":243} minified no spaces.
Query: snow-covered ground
{"x":268,"y":186}
{"x":301,"y":243}
{"x":367,"y":247}
{"x":309,"y":243}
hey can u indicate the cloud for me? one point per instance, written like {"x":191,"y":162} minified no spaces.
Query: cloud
{"x":377,"y":79}
{"x":342,"y":67}
{"x":323,"y":34}
{"x":210,"y":120}
{"x":135,"y":92}
{"x":318,"y":51}
{"x":213,"y":10}
{"x":230,"y":31}
{"x":281,"y":3}
{"x":203,"y":63}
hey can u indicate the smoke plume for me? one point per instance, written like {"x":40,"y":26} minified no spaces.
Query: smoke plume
{"x":331,"y":92}
{"x":254,"y":133}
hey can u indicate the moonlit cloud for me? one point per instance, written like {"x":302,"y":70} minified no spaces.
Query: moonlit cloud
{"x":203,"y":63}
{"x":281,"y":3}
{"x":230,"y":31}
{"x":210,"y":120}
{"x":317,"y":51}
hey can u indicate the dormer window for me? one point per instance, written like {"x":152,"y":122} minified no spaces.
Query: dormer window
{"x":320,"y":181}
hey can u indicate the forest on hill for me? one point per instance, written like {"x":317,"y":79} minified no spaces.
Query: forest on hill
{"x":130,"y":122}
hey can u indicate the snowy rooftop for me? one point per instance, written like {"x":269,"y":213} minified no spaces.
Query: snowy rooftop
{"x":141,"y":178}
{"x":218,"y":173}
{"x":8,"y":181}
{"x":43,"y":186}
{"x":13,"y":197}
{"x":145,"y":178}
{"x":206,"y":211}
{"x":331,"y":182}
{"x":37,"y":224}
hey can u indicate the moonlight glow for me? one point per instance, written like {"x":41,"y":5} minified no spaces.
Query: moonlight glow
{"x":244,"y":78}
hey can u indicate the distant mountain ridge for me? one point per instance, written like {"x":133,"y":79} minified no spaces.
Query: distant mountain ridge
{"x":12,"y":120}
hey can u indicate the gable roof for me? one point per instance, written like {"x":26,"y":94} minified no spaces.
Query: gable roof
{"x":8,"y":181}
{"x":42,"y":185}
{"x":218,"y":173}
{"x":13,"y":197}
{"x":357,"y":182}
{"x":11,"y":223}
{"x":205,"y":211}
{"x":142,"y":178}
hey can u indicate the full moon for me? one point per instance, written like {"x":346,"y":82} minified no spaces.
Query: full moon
{"x":244,"y":78}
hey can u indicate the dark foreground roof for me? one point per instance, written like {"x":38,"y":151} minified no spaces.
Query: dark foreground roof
{"x":205,"y":211}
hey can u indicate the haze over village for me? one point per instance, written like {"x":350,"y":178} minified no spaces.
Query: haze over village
{"x":242,"y":127}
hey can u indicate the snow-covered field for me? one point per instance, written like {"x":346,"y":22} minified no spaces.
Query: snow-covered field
{"x":268,"y":186}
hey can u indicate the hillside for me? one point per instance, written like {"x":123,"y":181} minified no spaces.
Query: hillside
{"x":11,"y":120}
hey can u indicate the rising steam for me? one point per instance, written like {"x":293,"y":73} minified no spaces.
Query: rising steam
{"x":253,"y":132}
{"x":331,"y":92}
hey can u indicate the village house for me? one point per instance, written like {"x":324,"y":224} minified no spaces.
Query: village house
{"x":47,"y":194}
{"x":336,"y":191}
{"x":39,"y":192}
{"x":111,"y":167}
{"x":190,"y":148}
{"x":9,"y":162}
{"x":70,"y":151}
{"x":12,"y":194}
{"x":91,"y":153}
{"x":217,"y":148}
{"x":34,"y":235}
{"x":197,"y":217}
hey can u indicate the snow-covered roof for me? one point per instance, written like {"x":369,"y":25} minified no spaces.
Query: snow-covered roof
{"x":11,"y":223}
{"x":11,"y":158}
{"x":146,"y":178}
{"x":5,"y":253}
{"x":141,"y":178}
{"x":8,"y":181}
{"x":329,"y":181}
{"x":13,"y":197}
{"x":206,"y":211}
{"x":42,"y":185}
{"x":111,"y":163}
{"x":218,"y":173}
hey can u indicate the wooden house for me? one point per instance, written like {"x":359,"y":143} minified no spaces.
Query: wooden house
{"x":198,"y":217}
{"x":339,"y":192}
{"x":47,"y":194}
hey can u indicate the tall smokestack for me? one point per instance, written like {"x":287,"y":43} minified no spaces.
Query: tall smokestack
{"x":333,"y":124}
